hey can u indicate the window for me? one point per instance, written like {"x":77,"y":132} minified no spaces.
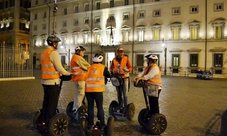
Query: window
{"x":139,"y":60}
{"x":36,"y":2}
{"x":35,"y":17}
{"x":111,"y":18}
{"x":126,"y":16}
{"x":126,"y":2}
{"x":97,"y":20}
{"x":176,"y":11}
{"x":218,"y":7}
{"x":141,"y":36}
{"x":175,"y":60}
{"x":85,"y":38}
{"x":35,"y":43}
{"x":43,"y":42}
{"x":111,"y":3}
{"x":97,"y":38}
{"x":65,"y":11}
{"x":35,"y":27}
{"x":157,"y":13}
{"x":142,"y":1}
{"x":98,"y":5}
{"x":86,"y":21}
{"x":76,"y":9}
{"x":156,"y":34}
{"x":218,"y":60}
{"x":193,"y":60}
{"x":44,"y":15}
{"x":76,"y":22}
{"x":64,"y":24}
{"x":44,"y":27}
{"x":218,"y":26}
{"x":175,"y":34}
{"x":141,"y":14}
{"x":194,"y":9}
{"x":86,"y":7}
{"x":218,"y":32}
{"x":194,"y":29}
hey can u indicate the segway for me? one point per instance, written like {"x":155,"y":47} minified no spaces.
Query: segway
{"x":58,"y":124}
{"x":96,"y":130}
{"x":155,"y":124}
{"x":80,"y":112}
{"x":115,"y":109}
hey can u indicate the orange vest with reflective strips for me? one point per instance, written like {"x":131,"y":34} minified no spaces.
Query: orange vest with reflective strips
{"x":78,"y":74}
{"x":156,"y":79}
{"x":95,"y":80}
{"x":47,"y":67}
{"x":118,"y":68}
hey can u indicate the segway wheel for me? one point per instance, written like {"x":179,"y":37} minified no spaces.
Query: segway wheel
{"x":113,"y":106}
{"x":58,"y":125}
{"x":130,"y":112}
{"x":82,"y":112}
{"x":83,"y":124}
{"x":110,"y":126}
{"x":69,"y":109}
{"x":157,"y":124}
{"x":36,"y":119}
{"x":141,"y":117}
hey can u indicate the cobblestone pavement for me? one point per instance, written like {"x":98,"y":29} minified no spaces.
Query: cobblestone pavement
{"x":192,"y":107}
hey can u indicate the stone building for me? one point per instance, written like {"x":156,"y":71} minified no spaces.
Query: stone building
{"x":187,"y":35}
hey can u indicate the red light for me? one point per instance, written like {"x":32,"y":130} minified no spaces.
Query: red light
{"x":43,"y":123}
{"x":95,"y":128}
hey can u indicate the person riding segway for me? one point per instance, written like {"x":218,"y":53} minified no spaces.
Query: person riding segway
{"x":150,"y":81}
{"x":79,"y":67}
{"x":48,"y":119}
{"x":120,"y":68}
{"x":95,"y":86}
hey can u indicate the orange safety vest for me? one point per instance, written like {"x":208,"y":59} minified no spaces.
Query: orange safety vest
{"x":47,"y":67}
{"x":154,"y":80}
{"x":95,"y":80}
{"x":118,"y":68}
{"x":78,"y":74}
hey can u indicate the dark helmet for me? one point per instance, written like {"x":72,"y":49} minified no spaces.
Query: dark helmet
{"x":97,"y":58}
{"x":151,"y":58}
{"x":51,"y":39}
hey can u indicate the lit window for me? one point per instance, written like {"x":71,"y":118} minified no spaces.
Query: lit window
{"x":218,"y":25}
{"x":141,"y":36}
{"x":175,"y":60}
{"x":85,"y":38}
{"x":175,"y":29}
{"x":97,"y":38}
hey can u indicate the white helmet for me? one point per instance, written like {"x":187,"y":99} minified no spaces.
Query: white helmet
{"x":97,"y":58}
{"x":152,"y":58}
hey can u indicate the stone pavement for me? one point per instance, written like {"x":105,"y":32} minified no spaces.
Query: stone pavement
{"x":192,"y":107}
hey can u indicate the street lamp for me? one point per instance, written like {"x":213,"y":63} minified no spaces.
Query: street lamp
{"x":165,"y":53}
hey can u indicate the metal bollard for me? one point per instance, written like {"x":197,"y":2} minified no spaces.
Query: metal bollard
{"x":224,"y":124}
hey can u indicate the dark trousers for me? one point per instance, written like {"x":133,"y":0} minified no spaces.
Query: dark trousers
{"x":154,"y":104}
{"x":98,"y":98}
{"x":50,"y":102}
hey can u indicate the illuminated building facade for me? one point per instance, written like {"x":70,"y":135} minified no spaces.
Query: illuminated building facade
{"x":187,"y":35}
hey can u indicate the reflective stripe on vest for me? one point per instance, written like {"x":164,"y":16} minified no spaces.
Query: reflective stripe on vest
{"x":47,"y":67}
{"x":95,"y":81}
{"x":78,"y":74}
{"x":156,"y":79}
{"x":119,"y":67}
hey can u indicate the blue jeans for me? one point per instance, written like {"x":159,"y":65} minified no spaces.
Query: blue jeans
{"x":122,"y":93}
